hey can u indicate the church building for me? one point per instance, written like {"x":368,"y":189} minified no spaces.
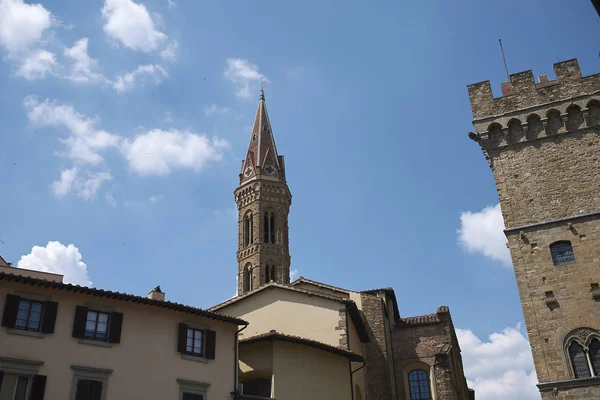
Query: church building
{"x":309,"y":339}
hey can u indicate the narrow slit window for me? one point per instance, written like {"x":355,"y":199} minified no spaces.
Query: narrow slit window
{"x":562,"y":253}
{"x":266,"y":228}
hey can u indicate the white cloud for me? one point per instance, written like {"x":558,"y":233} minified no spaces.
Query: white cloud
{"x":22,"y":29}
{"x":64,"y":185}
{"x":37,"y":64}
{"x":501,"y":368}
{"x":130,"y":24}
{"x":214,"y":109}
{"x":483,"y":232}
{"x":171,"y":4}
{"x":294,"y":274}
{"x":84,"y":142}
{"x":110,"y":199}
{"x":130,"y":80}
{"x":244,"y":74}
{"x":22,"y":25}
{"x":83,"y":65}
{"x":59,"y":259}
{"x":157,"y":152}
{"x":155,"y":199}
{"x":169,"y":53}
{"x":83,"y":184}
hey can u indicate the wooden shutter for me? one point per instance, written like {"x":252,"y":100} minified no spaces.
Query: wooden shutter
{"x":83,"y":390}
{"x":182,"y":337}
{"x":38,"y":387}
{"x":11,"y":308}
{"x":79,"y":322}
{"x":116,"y":324}
{"x":211,"y":337}
{"x":95,"y":390}
{"x":49,"y":316}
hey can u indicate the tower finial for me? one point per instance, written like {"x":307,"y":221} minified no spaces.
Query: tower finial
{"x":263,"y":83}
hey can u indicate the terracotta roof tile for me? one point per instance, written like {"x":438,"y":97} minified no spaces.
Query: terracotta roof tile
{"x":120,"y":296}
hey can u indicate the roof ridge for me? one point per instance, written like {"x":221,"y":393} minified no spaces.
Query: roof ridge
{"x":274,"y":335}
{"x":281,"y":286}
{"x":320,"y":284}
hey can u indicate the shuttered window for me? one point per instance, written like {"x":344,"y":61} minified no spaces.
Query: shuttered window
{"x":97,"y":325}
{"x":196,"y":342}
{"x":29,"y":315}
{"x":88,"y":389}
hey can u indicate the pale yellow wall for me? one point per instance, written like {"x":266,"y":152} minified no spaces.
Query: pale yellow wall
{"x":146,"y":363}
{"x":256,"y":360}
{"x":302,"y":372}
{"x":289,"y":312}
{"x":357,"y":298}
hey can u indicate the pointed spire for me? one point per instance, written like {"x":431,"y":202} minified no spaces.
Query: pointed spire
{"x":262,"y":158}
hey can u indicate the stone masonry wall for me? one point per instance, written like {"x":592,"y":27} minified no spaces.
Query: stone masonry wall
{"x":569,"y":285}
{"x":542,"y":142}
{"x":379,"y":386}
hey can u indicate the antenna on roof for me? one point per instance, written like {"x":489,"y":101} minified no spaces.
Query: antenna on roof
{"x":504,"y":59}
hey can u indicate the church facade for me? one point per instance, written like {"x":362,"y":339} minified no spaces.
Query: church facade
{"x":309,"y":339}
{"x":541,"y":142}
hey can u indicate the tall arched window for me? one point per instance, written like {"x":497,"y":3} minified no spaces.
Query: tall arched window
{"x":248,"y":230}
{"x":269,"y":273}
{"x":595,"y":356}
{"x":269,"y":228}
{"x":418,"y":381}
{"x":562,"y":253}
{"x":579,"y":360}
{"x":272,"y":228}
{"x":247,"y":278}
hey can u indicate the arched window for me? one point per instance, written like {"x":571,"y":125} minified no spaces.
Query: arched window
{"x":248,"y":230}
{"x":562,"y":253}
{"x":269,"y":228}
{"x":581,"y":367}
{"x":272,"y":228}
{"x":595,"y":355}
{"x":266,"y":228}
{"x":418,"y":381}
{"x":269,"y":273}
{"x":247,"y":278}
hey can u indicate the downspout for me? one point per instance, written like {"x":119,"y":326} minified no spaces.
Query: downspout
{"x":348,"y":345}
{"x":236,"y":365}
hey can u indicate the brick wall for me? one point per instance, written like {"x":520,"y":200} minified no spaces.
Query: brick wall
{"x":379,"y":386}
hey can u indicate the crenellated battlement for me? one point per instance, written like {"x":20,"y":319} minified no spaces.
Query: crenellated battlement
{"x":523,"y":92}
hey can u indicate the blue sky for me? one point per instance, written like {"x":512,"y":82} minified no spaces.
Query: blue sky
{"x":124,"y":125}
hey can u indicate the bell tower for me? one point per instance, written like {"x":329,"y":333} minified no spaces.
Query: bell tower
{"x":263,"y":201}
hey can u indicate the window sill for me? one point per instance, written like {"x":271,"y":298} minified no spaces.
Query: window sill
{"x":194,"y":358}
{"x":94,"y":343}
{"x":14,"y":331}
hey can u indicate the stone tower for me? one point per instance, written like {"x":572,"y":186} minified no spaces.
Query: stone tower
{"x":263,"y":201}
{"x":542,"y":142}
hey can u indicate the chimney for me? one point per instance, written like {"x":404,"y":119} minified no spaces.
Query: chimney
{"x":157,"y":294}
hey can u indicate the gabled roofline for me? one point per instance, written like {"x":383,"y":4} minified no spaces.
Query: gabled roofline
{"x":273,"y":335}
{"x":350,"y":305}
{"x":278,"y":286}
{"x":320,"y":284}
{"x":26,"y":280}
